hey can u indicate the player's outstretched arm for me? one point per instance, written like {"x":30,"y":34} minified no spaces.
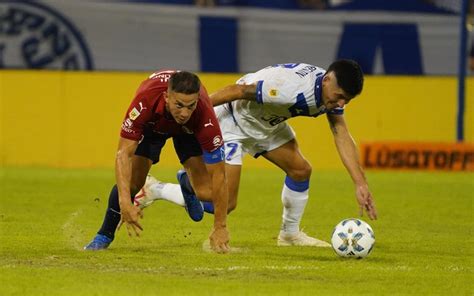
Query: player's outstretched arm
{"x":234,"y":92}
{"x":219,"y":237}
{"x":350,"y":157}
{"x":123,"y":174}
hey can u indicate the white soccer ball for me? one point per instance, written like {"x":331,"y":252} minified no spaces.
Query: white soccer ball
{"x":353,"y":238}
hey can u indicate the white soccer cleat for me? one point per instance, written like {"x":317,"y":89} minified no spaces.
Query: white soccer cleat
{"x":144,"y":198}
{"x":300,"y":239}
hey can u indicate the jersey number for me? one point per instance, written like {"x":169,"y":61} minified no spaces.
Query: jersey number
{"x":233,"y":149}
{"x":274,"y":119}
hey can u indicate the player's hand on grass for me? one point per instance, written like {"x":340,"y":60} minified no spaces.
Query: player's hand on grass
{"x":366,"y":202}
{"x":219,"y":240}
{"x":130,"y":216}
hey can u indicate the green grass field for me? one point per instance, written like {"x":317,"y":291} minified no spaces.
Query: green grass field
{"x":423,"y":246}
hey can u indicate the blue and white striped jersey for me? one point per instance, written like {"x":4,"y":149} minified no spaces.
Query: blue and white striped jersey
{"x":283,"y":91}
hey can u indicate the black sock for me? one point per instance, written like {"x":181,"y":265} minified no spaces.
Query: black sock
{"x":112,"y":215}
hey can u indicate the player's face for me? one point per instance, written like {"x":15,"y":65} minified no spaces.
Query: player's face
{"x":181,"y":106}
{"x":333,"y":96}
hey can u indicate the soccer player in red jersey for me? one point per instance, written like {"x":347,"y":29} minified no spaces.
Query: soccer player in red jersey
{"x":169,"y":104}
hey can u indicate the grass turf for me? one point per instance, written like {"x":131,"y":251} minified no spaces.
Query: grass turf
{"x":423,"y":238}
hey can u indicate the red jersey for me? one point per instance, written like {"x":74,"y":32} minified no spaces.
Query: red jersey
{"x":148,"y":109}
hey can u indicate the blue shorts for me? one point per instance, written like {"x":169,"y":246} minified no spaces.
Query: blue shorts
{"x":185,"y":145}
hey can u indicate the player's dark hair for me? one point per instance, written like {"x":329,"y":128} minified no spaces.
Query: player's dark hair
{"x":184,"y":82}
{"x":349,"y":76}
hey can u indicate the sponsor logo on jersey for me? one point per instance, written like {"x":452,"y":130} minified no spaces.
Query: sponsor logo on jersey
{"x":209,"y":123}
{"x":217,"y":141}
{"x":34,"y":35}
{"x":134,"y":114}
{"x":273,"y":92}
{"x":141,"y":107}
{"x":128,"y":123}
{"x":126,"y":129}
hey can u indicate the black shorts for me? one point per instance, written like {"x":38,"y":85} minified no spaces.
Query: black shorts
{"x":185,"y":145}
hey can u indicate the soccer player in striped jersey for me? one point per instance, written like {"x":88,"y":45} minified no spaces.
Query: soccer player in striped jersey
{"x":253,"y":113}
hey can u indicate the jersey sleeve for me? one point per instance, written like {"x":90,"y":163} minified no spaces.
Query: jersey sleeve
{"x":139,"y":113}
{"x":278,"y":92}
{"x":207,"y":130}
{"x":275,"y":91}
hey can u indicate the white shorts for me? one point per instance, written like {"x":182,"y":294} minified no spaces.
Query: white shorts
{"x":239,"y":141}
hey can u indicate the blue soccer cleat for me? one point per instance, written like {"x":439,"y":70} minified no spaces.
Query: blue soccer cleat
{"x":192,"y":204}
{"x":100,"y":242}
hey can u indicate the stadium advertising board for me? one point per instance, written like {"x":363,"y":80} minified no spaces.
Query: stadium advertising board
{"x":418,"y":156}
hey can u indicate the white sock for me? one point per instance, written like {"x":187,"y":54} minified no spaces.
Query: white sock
{"x":167,"y":191}
{"x":294,"y":203}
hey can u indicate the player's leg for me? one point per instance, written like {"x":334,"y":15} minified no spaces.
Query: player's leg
{"x":296,"y":186}
{"x":294,"y":194}
{"x":198,"y":178}
{"x":106,"y":233}
{"x":186,"y":146}
{"x":183,"y":193}
{"x":140,"y":168}
{"x":194,"y":180}
{"x":147,"y":153}
{"x":155,"y":190}
{"x":200,"y":182}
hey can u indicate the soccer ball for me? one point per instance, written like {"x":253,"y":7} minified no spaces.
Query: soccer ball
{"x":353,"y":238}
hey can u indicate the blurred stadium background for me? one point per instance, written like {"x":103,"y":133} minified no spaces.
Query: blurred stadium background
{"x":68,"y":70}
{"x":101,"y":50}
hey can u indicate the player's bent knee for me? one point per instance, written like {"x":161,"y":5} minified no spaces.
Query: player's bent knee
{"x":203,"y":193}
{"x":302,"y":173}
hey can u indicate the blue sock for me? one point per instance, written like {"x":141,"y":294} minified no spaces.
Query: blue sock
{"x":298,"y":186}
{"x":208,"y":207}
{"x":187,"y":184}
